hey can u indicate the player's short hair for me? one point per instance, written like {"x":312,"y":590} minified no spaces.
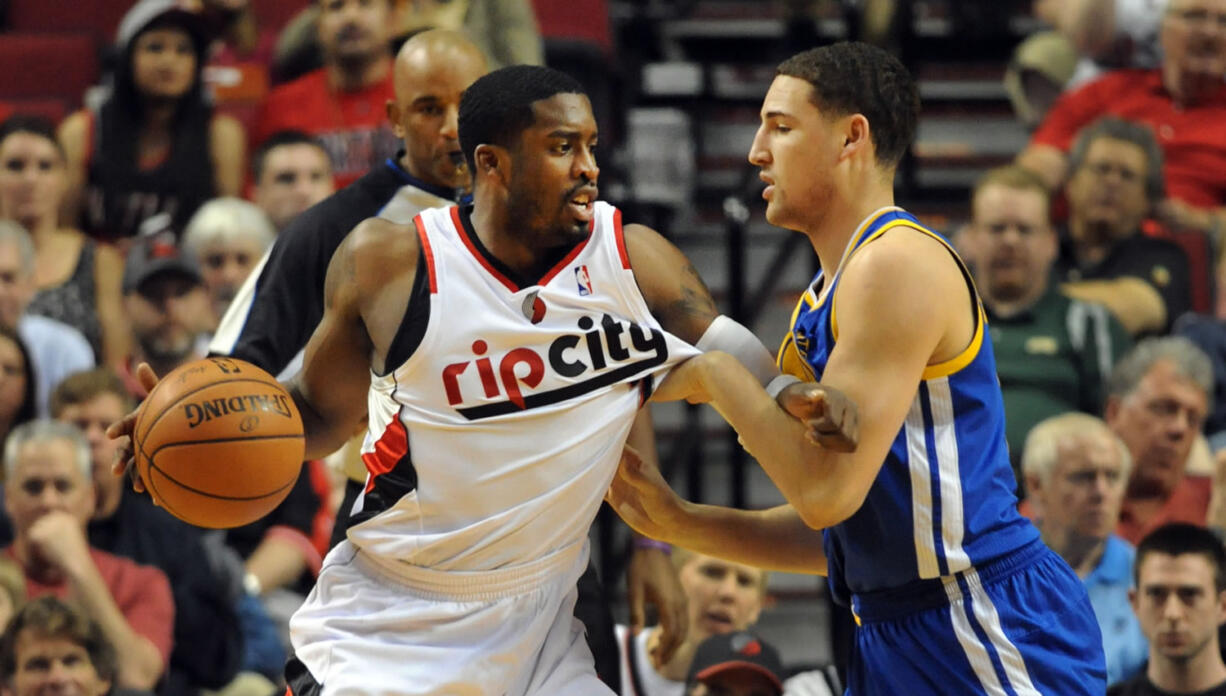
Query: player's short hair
{"x":47,"y":430}
{"x":1042,"y":448}
{"x":857,"y":78}
{"x":34,"y":125}
{"x":497,"y":108}
{"x":681,"y":556}
{"x":82,"y":387}
{"x":1137,"y":134}
{"x":49,"y":617}
{"x":1190,"y":362}
{"x":279,"y":139}
{"x":1179,"y":539}
{"x":1012,"y":176}
{"x":227,"y":219}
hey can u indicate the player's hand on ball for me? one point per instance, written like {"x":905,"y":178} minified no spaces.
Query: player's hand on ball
{"x":125,"y":460}
{"x":651,"y":578}
{"x":831,"y":419}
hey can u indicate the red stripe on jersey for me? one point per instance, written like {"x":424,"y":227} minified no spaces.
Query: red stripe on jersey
{"x":472,"y":249}
{"x":564,"y":262}
{"x":621,"y":239}
{"x":425,"y":249}
{"x":393,"y":444}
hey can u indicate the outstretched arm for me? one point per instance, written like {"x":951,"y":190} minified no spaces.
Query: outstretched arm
{"x":902,"y":303}
{"x":775,"y":539}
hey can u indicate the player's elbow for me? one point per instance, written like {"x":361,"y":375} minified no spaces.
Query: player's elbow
{"x":824,"y":508}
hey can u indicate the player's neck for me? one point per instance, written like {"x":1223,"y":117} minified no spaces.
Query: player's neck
{"x":839,"y":223}
{"x":1201,"y":672}
{"x":353,"y":77}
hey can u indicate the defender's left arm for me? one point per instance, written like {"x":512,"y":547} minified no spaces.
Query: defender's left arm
{"x":681,"y":302}
{"x":901,"y":302}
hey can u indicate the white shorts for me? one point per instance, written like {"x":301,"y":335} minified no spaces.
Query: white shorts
{"x":368,"y":628}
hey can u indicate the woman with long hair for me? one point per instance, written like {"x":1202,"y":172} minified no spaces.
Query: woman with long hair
{"x":17,"y":402}
{"x":154,"y":151}
{"x":77,"y":279}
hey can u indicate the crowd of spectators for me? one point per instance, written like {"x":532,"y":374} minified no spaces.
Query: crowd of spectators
{"x":129,"y":229}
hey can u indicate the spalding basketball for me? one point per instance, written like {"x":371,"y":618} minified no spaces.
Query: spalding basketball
{"x":218,"y":443}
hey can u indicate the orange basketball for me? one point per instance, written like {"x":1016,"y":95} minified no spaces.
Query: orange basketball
{"x":218,"y":443}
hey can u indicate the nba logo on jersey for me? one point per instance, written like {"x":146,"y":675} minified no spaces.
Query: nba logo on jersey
{"x":583,"y":280}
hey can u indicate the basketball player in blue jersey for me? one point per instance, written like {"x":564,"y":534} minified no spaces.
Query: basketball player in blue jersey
{"x":917,"y":529}
{"x":502,"y":351}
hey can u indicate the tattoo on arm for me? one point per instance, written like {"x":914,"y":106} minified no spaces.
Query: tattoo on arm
{"x":694,"y":300}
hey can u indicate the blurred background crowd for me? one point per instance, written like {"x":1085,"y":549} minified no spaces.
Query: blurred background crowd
{"x":151,"y":152}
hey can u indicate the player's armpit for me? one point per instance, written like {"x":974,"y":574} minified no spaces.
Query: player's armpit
{"x":675,"y":293}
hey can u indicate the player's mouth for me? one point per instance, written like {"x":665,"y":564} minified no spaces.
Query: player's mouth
{"x":583,"y":203}
{"x":769,"y":191}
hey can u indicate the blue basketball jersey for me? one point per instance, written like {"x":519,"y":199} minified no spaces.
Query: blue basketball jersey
{"x":944,"y":499}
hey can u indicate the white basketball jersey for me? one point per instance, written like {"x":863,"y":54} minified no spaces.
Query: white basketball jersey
{"x":494,"y":443}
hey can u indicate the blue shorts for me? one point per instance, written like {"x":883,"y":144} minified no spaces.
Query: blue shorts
{"x":1020,"y":626}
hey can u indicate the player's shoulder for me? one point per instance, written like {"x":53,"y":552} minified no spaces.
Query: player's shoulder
{"x":905,"y":265}
{"x":381,"y":249}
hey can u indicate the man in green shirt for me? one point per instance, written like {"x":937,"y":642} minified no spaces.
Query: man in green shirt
{"x":1052,"y":351}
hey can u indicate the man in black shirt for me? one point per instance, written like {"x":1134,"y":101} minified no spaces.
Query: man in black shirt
{"x":1180,"y":599}
{"x":1116,"y":180}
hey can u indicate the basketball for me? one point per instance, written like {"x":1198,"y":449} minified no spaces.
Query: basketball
{"x":218,"y":443}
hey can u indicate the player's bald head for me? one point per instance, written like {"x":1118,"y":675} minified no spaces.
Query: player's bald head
{"x":431,"y":55}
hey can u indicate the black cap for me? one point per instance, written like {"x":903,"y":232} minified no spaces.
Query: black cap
{"x":738,"y":651}
{"x":154,"y":254}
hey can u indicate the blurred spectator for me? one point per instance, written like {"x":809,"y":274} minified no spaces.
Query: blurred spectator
{"x":506,"y":31}
{"x":1116,"y":178}
{"x":167,"y":306}
{"x":1157,"y":399}
{"x":1208,"y":332}
{"x":12,"y":591}
{"x":154,"y":151}
{"x":228,"y":237}
{"x":735,"y":664}
{"x":237,"y":71}
{"x":1053,"y":353}
{"x":344,"y":103}
{"x":56,"y":349}
{"x":49,"y":496}
{"x":1180,"y":600}
{"x":1107,"y":34}
{"x":52,"y":648}
{"x":721,"y":597}
{"x":1076,"y":472}
{"x":292,"y":172}
{"x":77,"y":279}
{"x":17,"y":380}
{"x":1183,"y":101}
{"x":1041,"y":66}
{"x":208,"y":639}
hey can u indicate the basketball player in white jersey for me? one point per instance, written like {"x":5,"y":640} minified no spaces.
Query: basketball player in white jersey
{"x":502,"y":352}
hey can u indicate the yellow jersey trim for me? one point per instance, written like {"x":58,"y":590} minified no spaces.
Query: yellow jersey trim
{"x":962,"y":359}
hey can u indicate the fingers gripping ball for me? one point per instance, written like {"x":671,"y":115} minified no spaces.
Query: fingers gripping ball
{"x":218,"y":443}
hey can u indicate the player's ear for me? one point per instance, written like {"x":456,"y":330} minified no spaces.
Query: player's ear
{"x":492,"y":160}
{"x":856,"y":136}
{"x":393,"y":117}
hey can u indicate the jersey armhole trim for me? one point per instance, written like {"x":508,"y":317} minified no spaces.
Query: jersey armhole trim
{"x":426,"y":252}
{"x":963,"y":358}
{"x":621,"y":239}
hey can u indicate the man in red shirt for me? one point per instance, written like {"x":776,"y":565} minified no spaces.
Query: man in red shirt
{"x":49,"y":496}
{"x":1183,"y":101}
{"x":344,"y":103}
{"x":1158,"y":397}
